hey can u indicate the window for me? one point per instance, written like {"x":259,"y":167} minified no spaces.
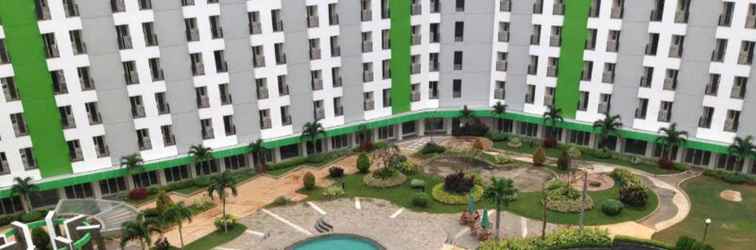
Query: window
{"x":457,"y":88}
{"x":705,"y":120}
{"x":697,"y":157}
{"x":648,"y":74}
{"x":130,"y":74}
{"x":27,"y":158}
{"x":74,"y":151}
{"x":676,"y":49}
{"x":340,"y":141}
{"x":641,"y":109}
{"x":733,"y":121}
{"x":746,"y":53}
{"x":670,"y":81}
{"x":583,"y":102}
{"x":176,"y":173}
{"x":558,"y":7}
{"x":156,"y":71}
{"x":285,"y":116}
{"x":460,"y":5}
{"x":457,"y":60}
{"x":201,"y":97}
{"x":459,"y":31}
{"x":530,"y":95}
{"x":579,"y":137}
{"x":206,"y":167}
{"x":618,"y":9}
{"x":221,"y":66}
{"x":19,"y":124}
{"x":255,"y":26}
{"x":265,"y":121}
{"x":258,"y":57}
{"x":635,"y":147}
{"x":333,"y":15}
{"x":720,"y":48}
{"x":80,"y":191}
{"x":207,"y":129}
{"x":386,"y":132}
{"x":277,"y":22}
{"x":739,"y":87}
{"x":162,"y":103}
{"x":79,"y":47}
{"x":665,"y":112}
{"x":338,"y":107}
{"x":145,"y":4}
{"x":336,"y":77}
{"x":146,"y":179}
{"x":314,"y":48}
{"x":228,"y":125}
{"x":587,"y":73}
{"x":112,"y":186}
{"x":71,"y":8}
{"x":101,"y":148}
{"x":712,"y":87}
{"x":528,"y":129}
{"x":283,"y":87}
{"x":198,"y":67}
{"x":235,"y":162}
{"x":4,"y":58}
{"x":312,"y":16}
{"x":117,"y":6}
{"x":368,"y":101}
{"x":653,"y":44}
{"x":335,"y":48}
{"x":500,"y":90}
{"x":143,"y":139}
{"x":386,"y":98}
{"x":192,"y":33}
{"x":608,"y":75}
{"x":318,"y":110}
{"x":367,"y":42}
{"x":433,"y":90}
{"x":169,"y":139}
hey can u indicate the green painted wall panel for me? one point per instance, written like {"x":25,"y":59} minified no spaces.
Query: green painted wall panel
{"x":26,"y":49}
{"x":400,"y":55}
{"x":574,"y":34}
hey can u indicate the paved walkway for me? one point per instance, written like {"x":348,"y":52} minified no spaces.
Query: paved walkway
{"x":252,"y":195}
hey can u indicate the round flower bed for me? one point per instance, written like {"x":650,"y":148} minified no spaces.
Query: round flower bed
{"x":393,"y":181}
{"x":561,"y":197}
{"x":440,"y":195}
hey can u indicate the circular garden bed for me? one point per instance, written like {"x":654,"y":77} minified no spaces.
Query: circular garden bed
{"x":441,"y":195}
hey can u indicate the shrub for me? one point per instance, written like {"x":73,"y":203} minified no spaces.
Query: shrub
{"x":333,"y":192}
{"x":501,"y":159}
{"x":309,"y":181}
{"x":336,"y":172}
{"x":417,"y":184}
{"x":549,"y":142}
{"x":32,"y":216}
{"x":735,"y":178}
{"x":384,"y":173}
{"x":687,"y":243}
{"x":539,"y":157}
{"x":563,"y":163}
{"x":666,"y":163}
{"x":138,"y":194}
{"x":498,"y":137}
{"x":601,"y":154}
{"x":633,"y":195}
{"x":420,"y":200}
{"x":202,"y":181}
{"x":612,"y":207}
{"x":281,"y":201}
{"x":396,"y":180}
{"x":515,"y":142}
{"x":574,"y":152}
{"x":41,"y":239}
{"x":566,"y":238}
{"x":458,"y":183}
{"x":363,"y":163}
{"x":624,"y":177}
{"x":562,"y":197}
{"x":408,"y":168}
{"x":432,"y":148}
{"x":163,"y":201}
{"x":440,"y":195}
{"x":229,"y":220}
{"x":622,"y":240}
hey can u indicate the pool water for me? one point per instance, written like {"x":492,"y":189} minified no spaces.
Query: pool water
{"x":336,"y":242}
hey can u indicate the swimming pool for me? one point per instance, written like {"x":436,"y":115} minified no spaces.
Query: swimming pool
{"x":337,"y":242}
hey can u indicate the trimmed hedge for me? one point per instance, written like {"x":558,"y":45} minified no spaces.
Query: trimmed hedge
{"x":627,"y":240}
{"x":559,"y":239}
{"x":731,"y":177}
{"x":440,"y":195}
{"x":612,"y":207}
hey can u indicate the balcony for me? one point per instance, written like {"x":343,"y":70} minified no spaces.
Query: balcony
{"x":369,"y":105}
{"x":500,"y":93}
{"x":501,"y":65}
{"x":278,"y":26}
{"x":663,"y":116}
{"x":94,"y":118}
{"x":415,"y":96}
{"x":203,"y":102}
{"x":317,"y":84}
{"x":555,"y":41}
{"x":193,"y":35}
{"x":102,"y":151}
{"x":314,"y":53}
{"x":262,"y":93}
{"x":608,"y":77}
{"x":612,"y":46}
{"x":551,"y":70}
{"x":366,"y":15}
{"x":198,"y":69}
{"x":558,"y":9}
{"x":548,"y":100}
{"x":505,"y":5}
{"x":367,"y":76}
{"x":603,"y":108}
{"x":417,"y":9}
{"x":169,"y":140}
{"x":259,"y":61}
{"x":681,"y":16}
{"x":255,"y":28}
{"x":731,"y":125}
{"x":645,"y":82}
{"x":286,"y":120}
{"x":132,"y":77}
{"x":675,"y":51}
{"x":319,"y":114}
{"x":87,"y":83}
{"x":208,"y":133}
{"x":670,"y":83}
{"x":313,"y":22}
{"x":616,"y":12}
{"x":503,"y":36}
{"x":416,"y":68}
{"x":745,"y":57}
{"x":163,"y":108}
{"x":750,"y":22}
{"x":337,"y":82}
{"x":266,"y":123}
{"x":77,"y":155}
{"x":138,"y":111}
{"x":367,"y":46}
{"x":416,"y":39}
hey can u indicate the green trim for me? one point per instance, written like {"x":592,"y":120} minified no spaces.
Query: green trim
{"x":25,"y":46}
{"x":63,"y":181}
{"x":401,"y":31}
{"x":574,"y":34}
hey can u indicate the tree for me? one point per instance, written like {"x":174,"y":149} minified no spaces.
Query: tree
{"x":24,"y":188}
{"x":219,"y":184}
{"x":140,"y":230}
{"x":467,"y":116}
{"x":501,"y":191}
{"x":178,"y":213}
{"x":606,"y":127}
{"x":256,"y":148}
{"x":551,"y":119}
{"x":133,"y":163}
{"x":311,"y":132}
{"x":742,"y":149}
{"x":672,"y":139}
{"x":200,"y":154}
{"x":499,"y":110}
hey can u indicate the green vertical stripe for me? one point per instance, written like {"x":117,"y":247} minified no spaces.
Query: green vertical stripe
{"x":25,"y":46}
{"x":574,"y":35}
{"x":401,"y":32}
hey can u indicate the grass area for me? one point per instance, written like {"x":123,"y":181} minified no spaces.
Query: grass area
{"x":733,"y":224}
{"x":316,"y":160}
{"x":528,"y":205}
{"x":189,"y":190}
{"x":528,"y":148}
{"x":216,"y":238}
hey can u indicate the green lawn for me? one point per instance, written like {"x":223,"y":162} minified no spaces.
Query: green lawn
{"x":216,"y":238}
{"x":527,"y":148}
{"x":528,"y":205}
{"x":733,"y":224}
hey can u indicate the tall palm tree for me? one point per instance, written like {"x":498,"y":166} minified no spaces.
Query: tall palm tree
{"x":178,"y":213}
{"x":672,"y":138}
{"x":499,"y":110}
{"x":200,"y":154}
{"x":219,"y":184}
{"x":24,"y":188}
{"x":606,"y":127}
{"x":256,"y":148}
{"x":501,"y":191}
{"x":742,"y":149}
{"x":551,"y":119}
{"x":140,"y":230}
{"x":133,"y":162}
{"x":311,"y":132}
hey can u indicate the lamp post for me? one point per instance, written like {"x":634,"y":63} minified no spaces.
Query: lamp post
{"x":707,"y":222}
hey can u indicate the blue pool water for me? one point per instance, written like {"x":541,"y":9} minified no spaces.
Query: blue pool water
{"x":336,"y":242}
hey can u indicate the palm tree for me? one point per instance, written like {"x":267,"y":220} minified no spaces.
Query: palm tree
{"x":606,"y":127}
{"x":311,"y":132}
{"x":140,"y":230}
{"x":500,"y":191}
{"x":467,"y":116}
{"x":742,"y":149}
{"x":219,"y":184}
{"x":132,"y":162}
{"x":200,"y":154}
{"x":24,"y":188}
{"x":256,"y":148}
{"x":672,"y":138}
{"x":499,"y":110}
{"x":551,"y":119}
{"x":178,"y":213}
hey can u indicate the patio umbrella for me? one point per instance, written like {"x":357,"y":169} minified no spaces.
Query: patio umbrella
{"x":485,"y":223}
{"x":471,"y":204}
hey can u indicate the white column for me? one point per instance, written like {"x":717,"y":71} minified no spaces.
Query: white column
{"x":96,"y":190}
{"x":420,"y":128}
{"x":276,"y":155}
{"x":327,"y":147}
{"x":303,"y":149}
{"x":399,"y":132}
{"x":448,"y":126}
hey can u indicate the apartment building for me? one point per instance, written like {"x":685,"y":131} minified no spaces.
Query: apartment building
{"x":87,"y":82}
